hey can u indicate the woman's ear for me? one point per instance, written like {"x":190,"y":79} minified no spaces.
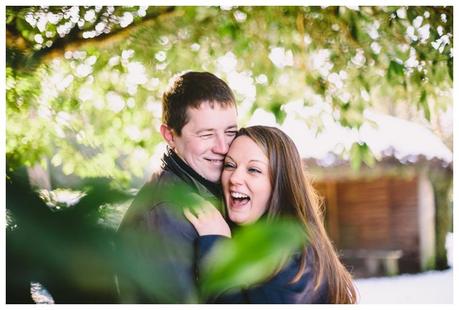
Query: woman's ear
{"x":168,"y":135}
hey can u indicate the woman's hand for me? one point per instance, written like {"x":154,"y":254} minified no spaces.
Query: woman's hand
{"x":207,"y":220}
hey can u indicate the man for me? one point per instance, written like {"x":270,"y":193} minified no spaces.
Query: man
{"x":198,"y":124}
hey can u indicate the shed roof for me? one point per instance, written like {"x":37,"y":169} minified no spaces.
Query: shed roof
{"x":386,"y":136}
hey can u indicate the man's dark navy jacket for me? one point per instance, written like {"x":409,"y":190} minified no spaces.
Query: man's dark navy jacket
{"x":157,"y":243}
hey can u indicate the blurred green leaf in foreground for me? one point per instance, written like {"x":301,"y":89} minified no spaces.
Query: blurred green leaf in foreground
{"x":252,"y":255}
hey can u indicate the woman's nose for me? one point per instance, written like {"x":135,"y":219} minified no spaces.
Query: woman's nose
{"x":236,"y":177}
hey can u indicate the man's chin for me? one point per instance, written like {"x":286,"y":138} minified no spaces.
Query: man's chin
{"x":215,"y":178}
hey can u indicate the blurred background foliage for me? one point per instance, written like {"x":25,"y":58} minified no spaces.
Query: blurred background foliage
{"x":84,"y":84}
{"x":83,"y":104}
{"x":67,"y":250}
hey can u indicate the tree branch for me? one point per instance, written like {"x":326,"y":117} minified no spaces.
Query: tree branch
{"x":74,"y":39}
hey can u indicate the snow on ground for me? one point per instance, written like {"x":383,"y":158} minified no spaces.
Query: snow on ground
{"x":432,"y":287}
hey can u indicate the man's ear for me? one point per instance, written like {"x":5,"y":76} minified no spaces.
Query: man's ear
{"x":168,"y":135}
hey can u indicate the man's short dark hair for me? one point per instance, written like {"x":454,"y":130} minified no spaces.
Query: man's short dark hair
{"x":189,"y":90}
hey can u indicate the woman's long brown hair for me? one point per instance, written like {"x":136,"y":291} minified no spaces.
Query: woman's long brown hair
{"x":293,"y":195}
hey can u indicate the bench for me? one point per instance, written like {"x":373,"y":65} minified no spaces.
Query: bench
{"x":374,"y":259}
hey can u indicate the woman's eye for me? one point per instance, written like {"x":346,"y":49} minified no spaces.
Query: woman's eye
{"x":228,"y":165}
{"x":254,"y":170}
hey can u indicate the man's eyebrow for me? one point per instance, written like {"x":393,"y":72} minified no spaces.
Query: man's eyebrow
{"x":232,"y":127}
{"x":205,"y":130}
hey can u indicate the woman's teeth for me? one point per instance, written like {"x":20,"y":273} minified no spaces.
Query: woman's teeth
{"x":237,"y":195}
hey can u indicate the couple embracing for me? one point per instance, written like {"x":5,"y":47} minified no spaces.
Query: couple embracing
{"x":256,"y":172}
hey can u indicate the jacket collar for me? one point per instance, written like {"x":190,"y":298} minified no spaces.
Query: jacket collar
{"x":172,"y":162}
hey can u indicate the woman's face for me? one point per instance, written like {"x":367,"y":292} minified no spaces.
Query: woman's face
{"x":245,"y":181}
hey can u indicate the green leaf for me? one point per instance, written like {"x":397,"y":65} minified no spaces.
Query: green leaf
{"x":354,"y":28}
{"x":252,"y":255}
{"x":451,"y":68}
{"x":424,"y":105}
{"x":278,"y":112}
{"x":360,"y":152}
{"x":356,"y":158}
{"x":367,"y":156}
{"x":395,"y":70}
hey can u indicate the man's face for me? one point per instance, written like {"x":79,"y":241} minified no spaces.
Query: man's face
{"x":206,"y":137}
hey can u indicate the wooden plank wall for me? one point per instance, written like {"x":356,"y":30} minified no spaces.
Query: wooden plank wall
{"x":374,"y":214}
{"x":405,"y":234}
{"x":364,"y":214}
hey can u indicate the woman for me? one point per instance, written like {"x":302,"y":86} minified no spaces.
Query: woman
{"x":263,"y":177}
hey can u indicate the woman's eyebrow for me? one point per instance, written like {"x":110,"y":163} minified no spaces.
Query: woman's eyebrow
{"x":252,"y":160}
{"x":259,"y":161}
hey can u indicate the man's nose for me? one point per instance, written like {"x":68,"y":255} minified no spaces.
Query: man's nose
{"x":220,"y":145}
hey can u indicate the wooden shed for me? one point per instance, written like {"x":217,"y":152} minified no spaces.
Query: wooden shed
{"x":385,"y":219}
{"x":392,"y":217}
